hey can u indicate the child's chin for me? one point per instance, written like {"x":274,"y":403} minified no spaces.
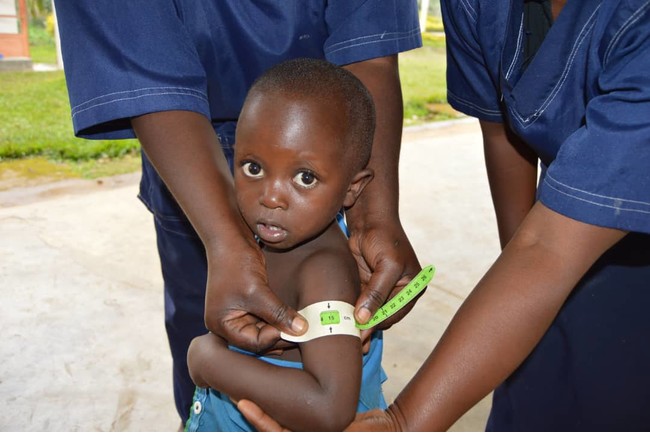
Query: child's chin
{"x":285,"y":245}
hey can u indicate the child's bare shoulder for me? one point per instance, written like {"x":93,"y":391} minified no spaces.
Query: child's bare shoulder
{"x":328,"y":274}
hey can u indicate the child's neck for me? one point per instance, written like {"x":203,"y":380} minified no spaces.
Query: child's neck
{"x":323,"y":240}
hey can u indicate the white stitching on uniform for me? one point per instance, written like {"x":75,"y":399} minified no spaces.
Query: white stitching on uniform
{"x":636,"y":16}
{"x":595,"y":195}
{"x":406,"y":35}
{"x":473,"y":105}
{"x":380,"y":35}
{"x":136,"y":97}
{"x":565,"y":73}
{"x":190,"y":90}
{"x":469,"y":9}
{"x":518,"y":48}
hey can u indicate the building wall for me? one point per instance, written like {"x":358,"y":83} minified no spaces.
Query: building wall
{"x":14,"y":38}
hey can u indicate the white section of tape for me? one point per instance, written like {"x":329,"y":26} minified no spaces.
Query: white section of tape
{"x":326,"y":318}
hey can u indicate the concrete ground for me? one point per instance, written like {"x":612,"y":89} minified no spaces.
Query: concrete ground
{"x":81,"y":318}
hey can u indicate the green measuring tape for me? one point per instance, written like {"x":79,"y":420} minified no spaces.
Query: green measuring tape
{"x":337,"y":317}
{"x":403,"y":297}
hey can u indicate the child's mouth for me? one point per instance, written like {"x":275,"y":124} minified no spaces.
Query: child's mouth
{"x":270,"y":233}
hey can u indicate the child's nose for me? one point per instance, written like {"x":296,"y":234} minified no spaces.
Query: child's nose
{"x":274,"y":196}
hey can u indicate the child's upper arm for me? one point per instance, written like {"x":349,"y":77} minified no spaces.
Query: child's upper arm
{"x":335,"y":361}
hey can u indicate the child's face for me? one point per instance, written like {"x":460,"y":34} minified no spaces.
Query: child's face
{"x":290,"y":176}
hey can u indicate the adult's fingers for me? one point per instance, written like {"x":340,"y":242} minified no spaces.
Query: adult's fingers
{"x":276,"y":313}
{"x":399,"y":285}
{"x":257,"y":417}
{"x":257,"y":329}
{"x":366,"y":339}
{"x":376,"y":291}
{"x":373,"y":420}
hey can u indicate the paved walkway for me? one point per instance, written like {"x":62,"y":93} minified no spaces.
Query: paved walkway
{"x":81,"y":318}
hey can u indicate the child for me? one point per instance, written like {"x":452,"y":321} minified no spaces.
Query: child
{"x":303,"y":141}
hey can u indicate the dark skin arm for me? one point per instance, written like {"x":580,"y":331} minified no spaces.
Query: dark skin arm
{"x":184,"y":149}
{"x":316,"y":398}
{"x":497,"y":326}
{"x":383,"y":252}
{"x":323,"y":395}
{"x":503,"y":319}
{"x":512,"y":173}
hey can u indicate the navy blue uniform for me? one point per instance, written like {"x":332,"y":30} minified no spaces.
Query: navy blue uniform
{"x":583,"y":105}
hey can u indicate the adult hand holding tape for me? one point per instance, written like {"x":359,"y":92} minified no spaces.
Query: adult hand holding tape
{"x":337,"y":317}
{"x":403,"y":297}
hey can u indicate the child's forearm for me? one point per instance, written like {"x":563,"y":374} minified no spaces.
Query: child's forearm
{"x":294,"y":397}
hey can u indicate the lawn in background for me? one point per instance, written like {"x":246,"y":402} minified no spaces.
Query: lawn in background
{"x":41,"y":45}
{"x":36,"y":136}
{"x":35,"y":120}
{"x":424,"y":85}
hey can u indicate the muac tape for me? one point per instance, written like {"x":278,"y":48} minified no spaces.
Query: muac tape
{"x":337,"y":317}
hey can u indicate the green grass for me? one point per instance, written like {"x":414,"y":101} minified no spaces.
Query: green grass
{"x":36,"y":136}
{"x":434,"y":23}
{"x":41,"y":45}
{"x":43,"y":54}
{"x":38,"y":35}
{"x":424,"y":84}
{"x":35,"y":124}
{"x":35,"y":120}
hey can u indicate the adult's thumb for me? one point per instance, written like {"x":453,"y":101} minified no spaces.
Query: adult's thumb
{"x":279,"y":315}
{"x":375,"y":293}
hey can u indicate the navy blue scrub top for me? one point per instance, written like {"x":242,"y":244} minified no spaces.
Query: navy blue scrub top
{"x":583,"y":103}
{"x":128,"y":58}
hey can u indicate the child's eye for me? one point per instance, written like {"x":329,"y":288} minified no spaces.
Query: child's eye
{"x":306,"y":179}
{"x":252,"y":169}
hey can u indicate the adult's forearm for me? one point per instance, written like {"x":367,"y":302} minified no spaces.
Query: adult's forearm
{"x":503,"y":319}
{"x":185,"y":151}
{"x":377,"y":239}
{"x":381,"y":196}
{"x":512,"y":173}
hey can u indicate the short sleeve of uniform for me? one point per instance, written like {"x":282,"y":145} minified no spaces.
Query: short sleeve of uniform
{"x":365,"y":29}
{"x":601,"y":174}
{"x":472,"y":59}
{"x":124,"y":59}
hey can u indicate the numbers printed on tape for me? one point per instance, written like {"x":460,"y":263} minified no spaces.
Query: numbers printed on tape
{"x":337,"y":317}
{"x":326,"y":318}
{"x":330,"y":317}
{"x":406,"y":295}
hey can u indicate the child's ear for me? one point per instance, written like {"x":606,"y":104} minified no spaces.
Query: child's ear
{"x":357,"y":184}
